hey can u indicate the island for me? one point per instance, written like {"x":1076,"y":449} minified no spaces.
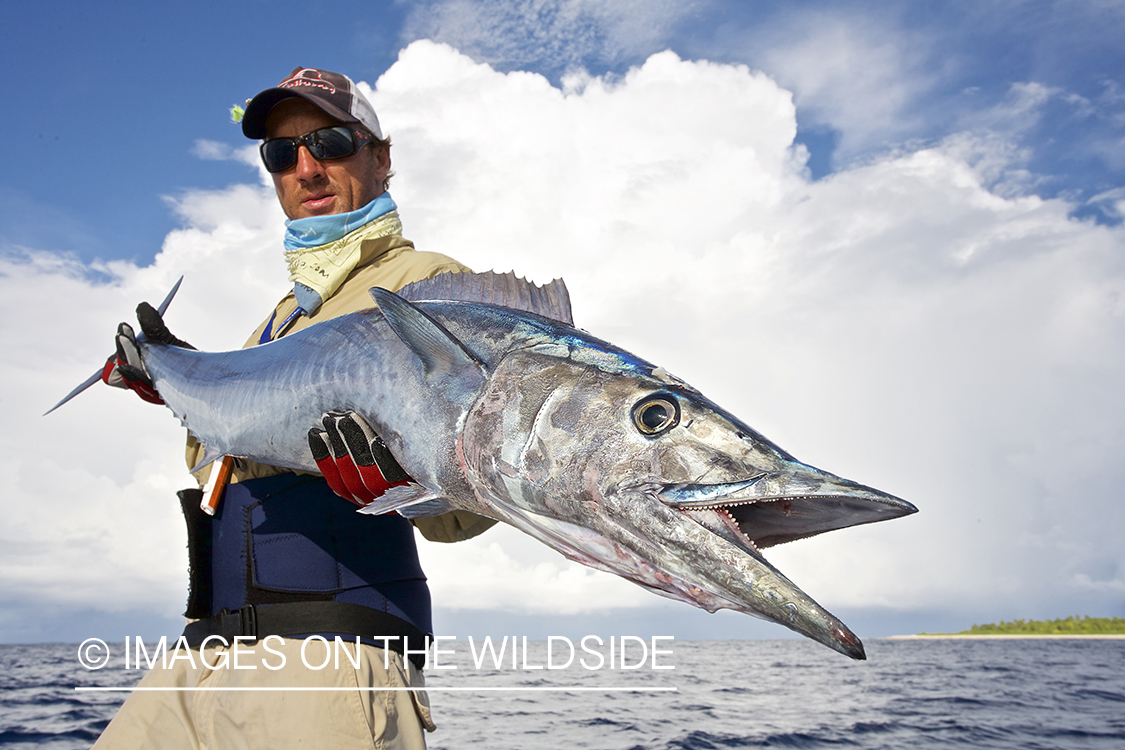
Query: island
{"x":1069,"y":627}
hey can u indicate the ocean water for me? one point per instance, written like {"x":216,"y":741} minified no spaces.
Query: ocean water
{"x":729,"y":694}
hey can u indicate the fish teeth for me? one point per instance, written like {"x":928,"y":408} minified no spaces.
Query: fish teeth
{"x":734,"y":524}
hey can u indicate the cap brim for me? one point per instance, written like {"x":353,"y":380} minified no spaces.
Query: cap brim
{"x":254,"y":120}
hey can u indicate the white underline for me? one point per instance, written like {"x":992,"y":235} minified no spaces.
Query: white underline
{"x":379,"y":689}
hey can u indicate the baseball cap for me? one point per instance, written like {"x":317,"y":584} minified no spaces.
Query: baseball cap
{"x":334,"y":93}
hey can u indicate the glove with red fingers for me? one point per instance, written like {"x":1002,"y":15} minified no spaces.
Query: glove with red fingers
{"x":126,"y":368}
{"x":353,"y":458}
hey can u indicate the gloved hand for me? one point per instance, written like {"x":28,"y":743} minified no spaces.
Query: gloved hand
{"x":126,"y":368}
{"x":354,"y":459}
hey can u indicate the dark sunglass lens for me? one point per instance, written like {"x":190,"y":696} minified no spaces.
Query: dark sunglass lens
{"x":331,"y":143}
{"x":278,"y":155}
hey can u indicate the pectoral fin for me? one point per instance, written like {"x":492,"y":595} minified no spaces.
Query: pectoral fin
{"x":410,"y":500}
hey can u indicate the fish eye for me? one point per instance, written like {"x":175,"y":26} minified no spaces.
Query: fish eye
{"x":656,"y":415}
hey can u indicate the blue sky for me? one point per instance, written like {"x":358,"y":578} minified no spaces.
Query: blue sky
{"x":888,"y":236}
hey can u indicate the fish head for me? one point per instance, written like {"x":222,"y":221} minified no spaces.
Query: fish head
{"x":626,"y":468}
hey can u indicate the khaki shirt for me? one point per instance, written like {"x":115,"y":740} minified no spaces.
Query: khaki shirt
{"x":390,"y":262}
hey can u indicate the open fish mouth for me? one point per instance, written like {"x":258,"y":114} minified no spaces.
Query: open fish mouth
{"x":771,"y":508}
{"x":776,"y":507}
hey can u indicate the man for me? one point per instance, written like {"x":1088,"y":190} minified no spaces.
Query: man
{"x":284,"y":555}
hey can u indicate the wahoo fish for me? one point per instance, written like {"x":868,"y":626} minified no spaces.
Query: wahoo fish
{"x":494,"y":403}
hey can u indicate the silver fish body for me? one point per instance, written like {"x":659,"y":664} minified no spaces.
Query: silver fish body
{"x":601,"y":455}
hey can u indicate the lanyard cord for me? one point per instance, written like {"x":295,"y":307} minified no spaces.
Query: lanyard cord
{"x":268,"y":335}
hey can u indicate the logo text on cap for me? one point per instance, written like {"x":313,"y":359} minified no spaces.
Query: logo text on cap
{"x":308,"y":77}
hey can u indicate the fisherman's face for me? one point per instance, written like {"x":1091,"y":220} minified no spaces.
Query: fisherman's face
{"x":320,"y":188}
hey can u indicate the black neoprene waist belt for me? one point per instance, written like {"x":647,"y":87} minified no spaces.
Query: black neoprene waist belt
{"x":312,"y":618}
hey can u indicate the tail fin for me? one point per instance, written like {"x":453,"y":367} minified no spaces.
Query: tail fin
{"x":98,"y":373}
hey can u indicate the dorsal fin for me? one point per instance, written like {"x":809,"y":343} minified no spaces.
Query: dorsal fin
{"x":504,"y":289}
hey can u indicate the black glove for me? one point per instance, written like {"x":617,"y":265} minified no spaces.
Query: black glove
{"x":353,"y":459}
{"x":126,"y":368}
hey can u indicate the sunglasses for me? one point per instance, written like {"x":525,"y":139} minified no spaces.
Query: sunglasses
{"x":279,"y":154}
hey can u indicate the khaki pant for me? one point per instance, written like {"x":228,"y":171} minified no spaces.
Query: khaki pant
{"x":275,"y":719}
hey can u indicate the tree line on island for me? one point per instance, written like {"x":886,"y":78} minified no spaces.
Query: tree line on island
{"x":1073,"y":625}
